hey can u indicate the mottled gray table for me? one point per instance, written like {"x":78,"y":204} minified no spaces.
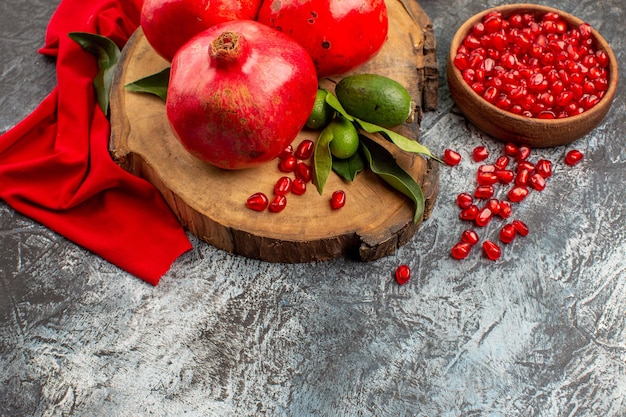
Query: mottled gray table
{"x":541,"y":332}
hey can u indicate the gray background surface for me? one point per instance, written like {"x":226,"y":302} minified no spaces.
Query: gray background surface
{"x":541,"y":332}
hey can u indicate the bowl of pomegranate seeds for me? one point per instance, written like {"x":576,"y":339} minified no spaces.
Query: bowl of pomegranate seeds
{"x":531,"y":75}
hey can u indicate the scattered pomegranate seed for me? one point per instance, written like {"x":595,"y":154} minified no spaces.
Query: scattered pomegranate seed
{"x":502,"y":162}
{"x":283,"y":186}
{"x":257,"y":202}
{"x":520,"y":227}
{"x":505,"y":176}
{"x":305,"y":149}
{"x":278,"y":203}
{"x":464,"y":200}
{"x":487,"y":178}
{"x":403,"y":274}
{"x":537,"y":181}
{"x":483,"y":217}
{"x":484,"y":192}
{"x":510,"y":149}
{"x":451,"y":157}
{"x":487,"y":169}
{"x":544,"y":168}
{"x":492,"y":250}
{"x":507,"y":233}
{"x":517,"y":194}
{"x":288,"y":151}
{"x":461,"y":250}
{"x":298,"y":186}
{"x":288,"y":163}
{"x":523,"y":152}
{"x":480,"y":153}
{"x":522,"y":177}
{"x":304,"y":171}
{"x":494,"y":205}
{"x":338,"y":199}
{"x":470,"y":236}
{"x":505,"y":209}
{"x":469,"y":213}
{"x":527,"y":165}
{"x":573,"y":157}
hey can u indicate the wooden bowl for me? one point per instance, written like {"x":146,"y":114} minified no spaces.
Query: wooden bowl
{"x":509,"y":127}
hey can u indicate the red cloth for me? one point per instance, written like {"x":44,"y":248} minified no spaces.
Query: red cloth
{"x":55,"y":166}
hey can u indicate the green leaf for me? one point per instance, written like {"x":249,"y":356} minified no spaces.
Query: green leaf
{"x":154,"y":84}
{"x":107,"y":54}
{"x":385,"y":166}
{"x":322,"y":159}
{"x":333,"y":102}
{"x":350,"y":167}
{"x":402,"y":142}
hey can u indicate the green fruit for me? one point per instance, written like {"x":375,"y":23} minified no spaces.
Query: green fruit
{"x":375,"y":99}
{"x":345,"y":140}
{"x":322,"y":113}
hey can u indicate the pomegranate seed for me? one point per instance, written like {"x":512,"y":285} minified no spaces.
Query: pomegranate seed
{"x":573,"y":157}
{"x":461,"y":250}
{"x":403,"y":274}
{"x":461,"y":61}
{"x":492,"y":250}
{"x":484,"y":217}
{"x":505,"y":176}
{"x":451,"y":157}
{"x":288,"y":151}
{"x":494,"y":205}
{"x":486,"y":178}
{"x":282,"y":186}
{"x":527,"y":165}
{"x":480,"y":153}
{"x":288,"y":163}
{"x":278,"y":203}
{"x":484,"y":192}
{"x":517,"y":193}
{"x":469,"y":236}
{"x":522,"y":177}
{"x":338,"y":199}
{"x":257,"y":202}
{"x":537,"y":182}
{"x":486,"y":168}
{"x":505,"y":209}
{"x":303,"y":171}
{"x":544,"y":168}
{"x":511,"y":149}
{"x":502,"y":162}
{"x":305,"y":149}
{"x":298,"y":186}
{"x":469,"y":213}
{"x":507,"y":233}
{"x":464,"y":200}
{"x":520,"y":227}
{"x":523,"y":152}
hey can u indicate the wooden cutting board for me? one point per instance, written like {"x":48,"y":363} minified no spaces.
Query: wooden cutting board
{"x":210,"y":202}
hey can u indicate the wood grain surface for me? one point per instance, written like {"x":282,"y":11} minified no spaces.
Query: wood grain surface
{"x":210,"y":202}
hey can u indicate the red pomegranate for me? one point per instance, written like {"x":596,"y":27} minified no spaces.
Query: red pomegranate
{"x":239,"y":93}
{"x":168,"y":24}
{"x":339,"y":35}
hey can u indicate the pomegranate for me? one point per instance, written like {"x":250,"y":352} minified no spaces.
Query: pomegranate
{"x":339,"y":35}
{"x":168,"y":24}
{"x":239,"y":93}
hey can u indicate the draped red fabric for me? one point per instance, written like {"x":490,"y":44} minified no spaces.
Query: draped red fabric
{"x":55,"y":166}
